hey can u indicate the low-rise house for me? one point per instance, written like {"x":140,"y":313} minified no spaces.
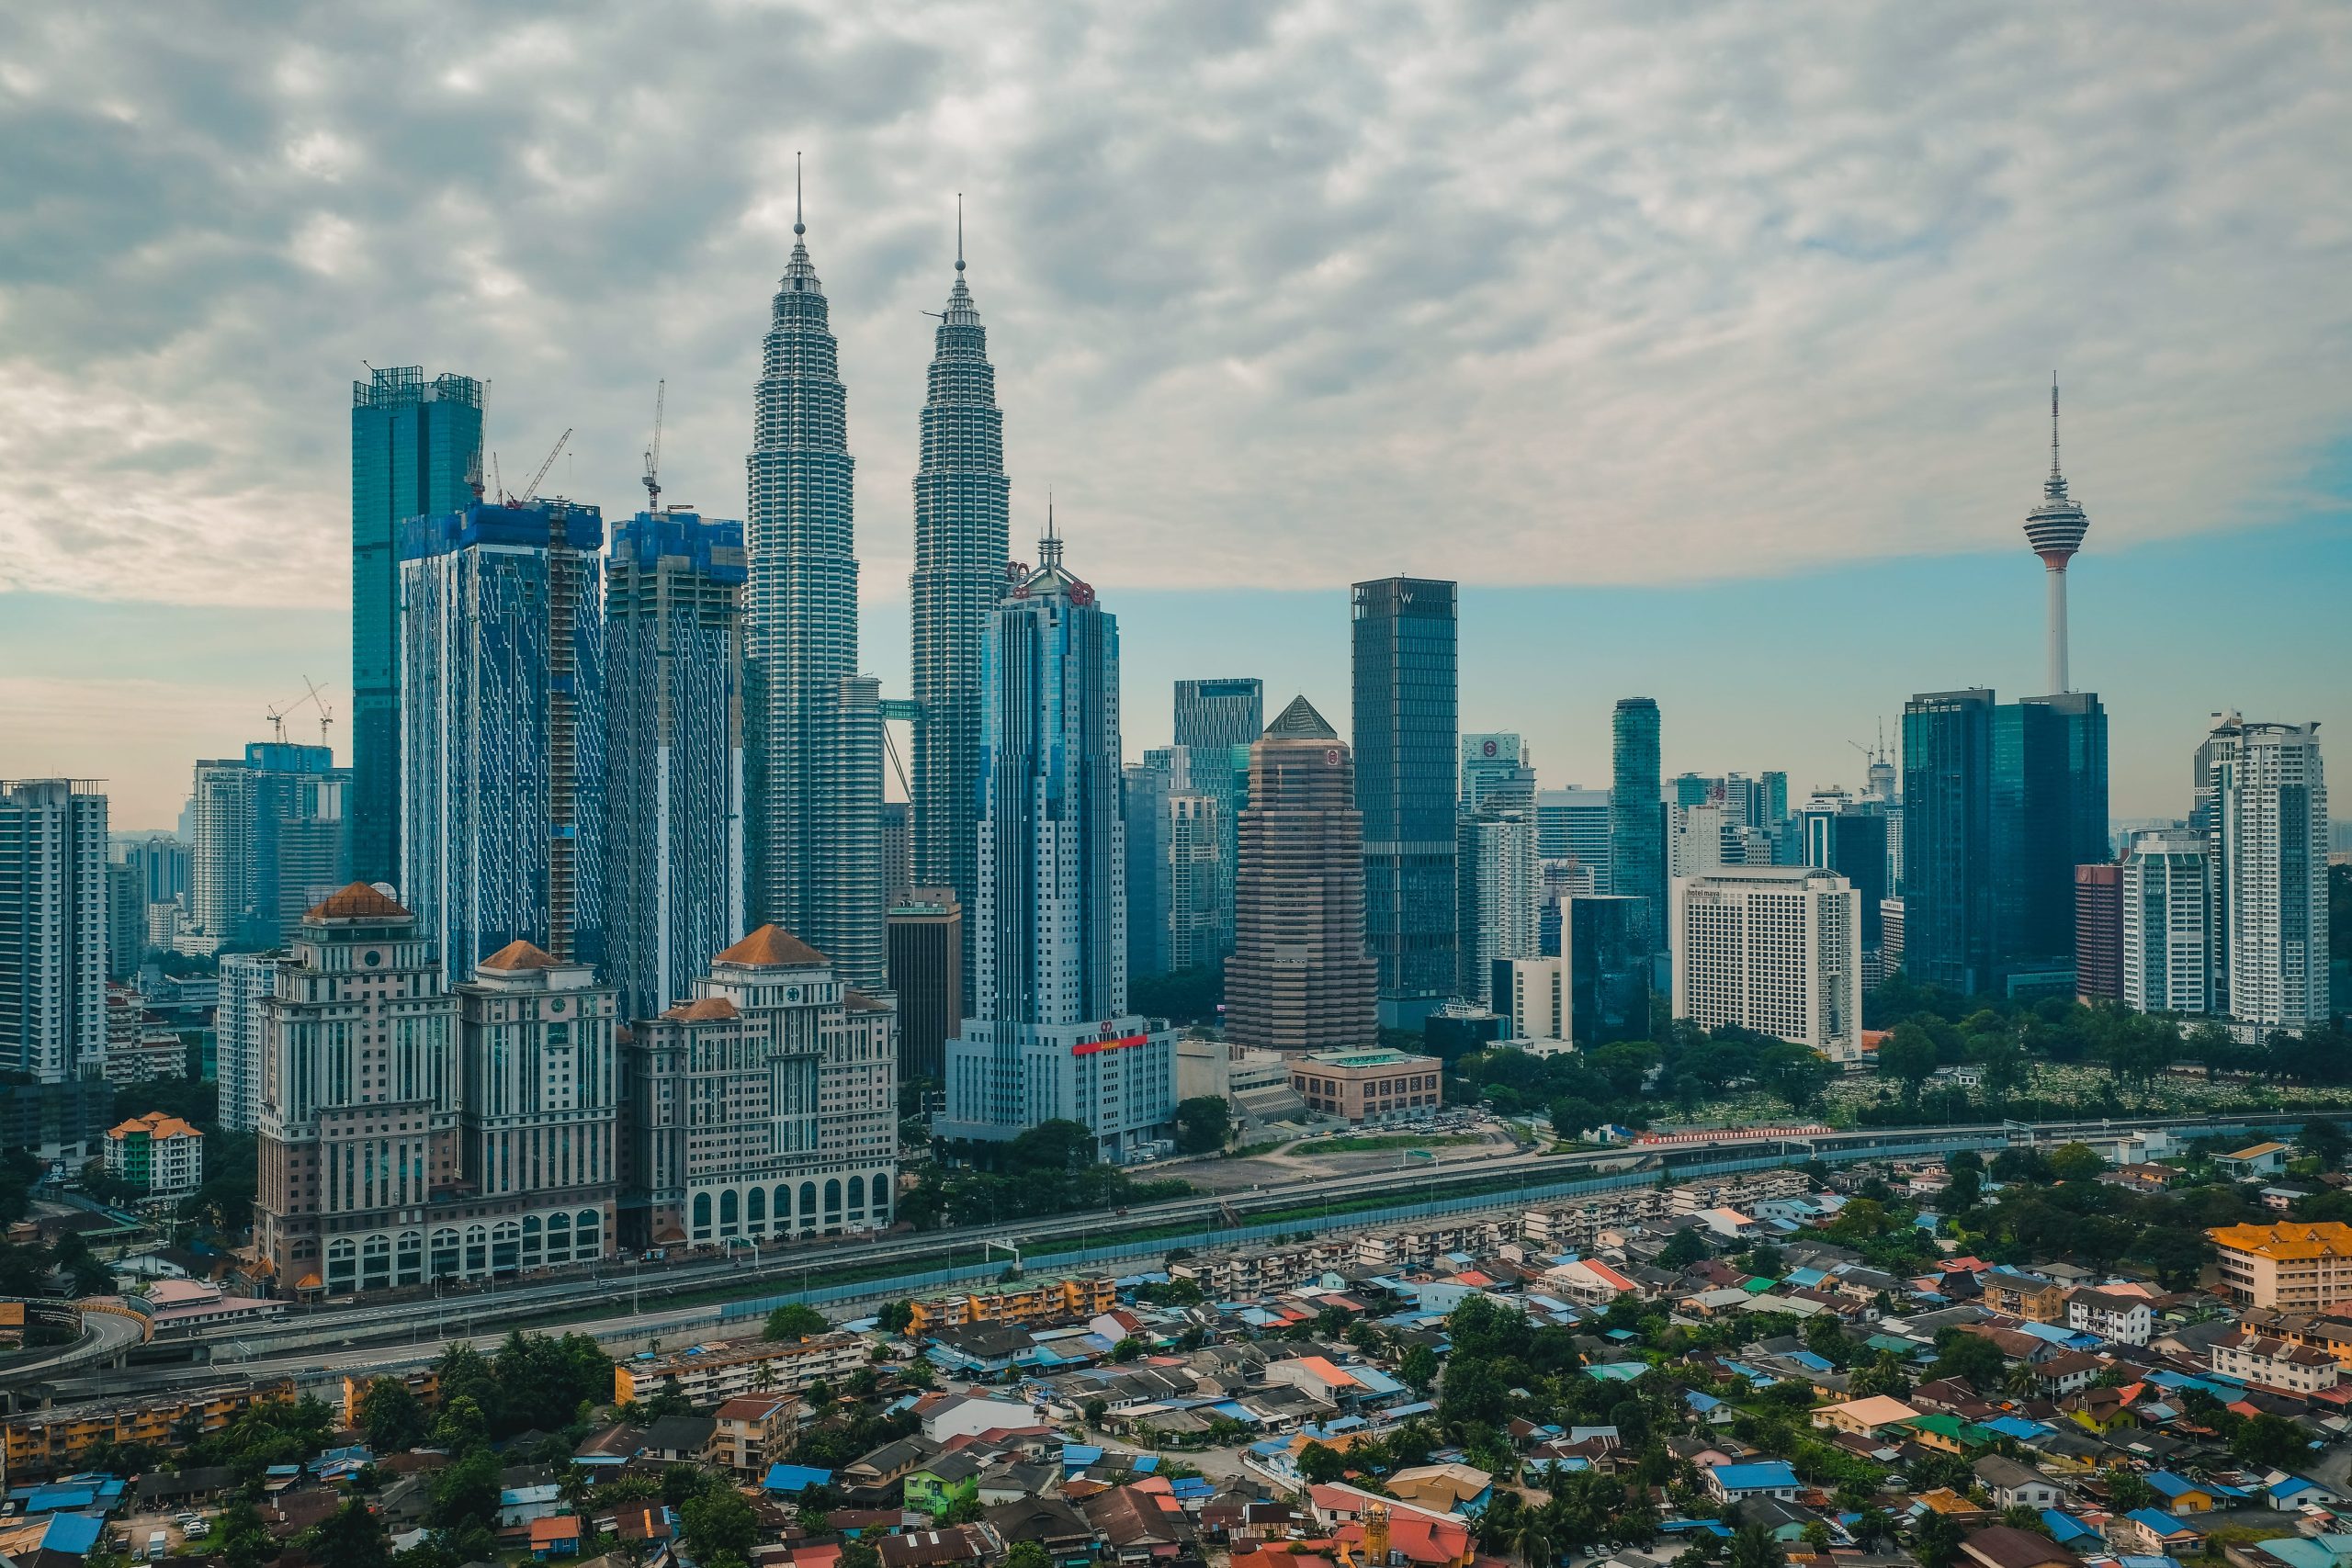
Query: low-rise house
{"x":518,"y":1506}
{"x":941,"y":1481}
{"x":2180,"y":1495}
{"x":2155,"y":1533}
{"x":876,"y":1475}
{"x":2028,"y":1296}
{"x":2064,"y":1372}
{"x":1462,"y":1489}
{"x":680,"y":1439}
{"x":1760,"y":1478}
{"x":936,"y":1547}
{"x":2255,"y":1160}
{"x":2002,"y":1546}
{"x":947,"y":1416}
{"x":2274,"y":1363}
{"x":754,"y":1431}
{"x":2014,"y":1485}
{"x":1864,"y":1416}
{"x":2125,"y":1320}
{"x":557,"y":1537}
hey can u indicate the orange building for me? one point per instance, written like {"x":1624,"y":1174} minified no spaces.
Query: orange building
{"x":2292,"y":1266}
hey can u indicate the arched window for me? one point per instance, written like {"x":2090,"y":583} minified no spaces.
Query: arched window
{"x":833,"y":1201}
{"x":588,"y":1235}
{"x":784,"y":1211}
{"x":729,"y":1213}
{"x":807,"y":1216}
{"x":702,"y":1216}
{"x":755,"y":1211}
{"x":881,"y":1201}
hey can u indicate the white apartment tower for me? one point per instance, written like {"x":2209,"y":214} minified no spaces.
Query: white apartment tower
{"x":2165,"y":941}
{"x":1501,"y":900}
{"x":247,"y":979}
{"x":2272,"y":800}
{"x":52,"y":928}
{"x":1773,"y":949}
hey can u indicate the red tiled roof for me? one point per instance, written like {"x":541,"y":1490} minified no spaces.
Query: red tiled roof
{"x":771,"y":947}
{"x":357,"y":901}
{"x":519,"y":954}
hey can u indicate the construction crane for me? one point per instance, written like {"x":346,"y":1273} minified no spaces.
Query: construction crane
{"x":531,"y":490}
{"x":326,"y":714}
{"x":653,"y":453}
{"x":278,"y":712}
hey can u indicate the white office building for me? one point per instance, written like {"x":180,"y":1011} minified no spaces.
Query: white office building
{"x":1694,"y":840}
{"x":1773,"y":949}
{"x":1536,"y":993}
{"x":2165,"y":941}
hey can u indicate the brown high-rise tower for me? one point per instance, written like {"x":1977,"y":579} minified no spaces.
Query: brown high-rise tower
{"x":1300,"y":979}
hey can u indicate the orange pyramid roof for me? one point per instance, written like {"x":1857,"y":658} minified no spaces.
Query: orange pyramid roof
{"x":701,"y":1011}
{"x":358,"y":901}
{"x":519,"y":954}
{"x":771,"y":947}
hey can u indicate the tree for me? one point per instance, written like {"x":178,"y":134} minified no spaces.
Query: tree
{"x":1095,"y":1410}
{"x":1027,"y":1554}
{"x":1752,"y":1546}
{"x":898,"y":1317}
{"x":1886,"y":1375}
{"x":1935,"y":1541}
{"x":1791,"y":1074}
{"x":391,"y":1418}
{"x":1531,"y":1538}
{"x":1128,"y":1349}
{"x":2326,"y":1142}
{"x":2075,"y":1162}
{"x":1202,"y":1124}
{"x":352,"y":1537}
{"x":2126,"y":1491}
{"x":2272,"y":1440}
{"x":1972,"y":1358}
{"x":468,"y":1491}
{"x":1874,"y":1528}
{"x":461,"y":1428}
{"x":1826,"y":1337}
{"x":1320,"y":1465}
{"x":1682,"y":1249}
{"x":1907,"y":1054}
{"x":794,"y":1320}
{"x":1417,"y":1367}
{"x":719,"y":1520}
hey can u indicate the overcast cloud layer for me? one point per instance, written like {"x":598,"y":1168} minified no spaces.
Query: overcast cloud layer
{"x":1571,"y":293}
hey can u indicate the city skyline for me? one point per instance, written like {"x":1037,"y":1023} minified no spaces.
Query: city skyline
{"x":1185,"y":394}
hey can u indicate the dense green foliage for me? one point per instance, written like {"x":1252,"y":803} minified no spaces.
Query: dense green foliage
{"x":1202,"y":1124}
{"x":1048,"y":1169}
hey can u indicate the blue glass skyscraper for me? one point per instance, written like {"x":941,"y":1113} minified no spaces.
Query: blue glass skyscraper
{"x":2049,"y":815}
{"x":502,"y":730}
{"x":674,"y":679}
{"x":1948,"y":839}
{"x":415,"y":445}
{"x":1406,"y":725}
{"x":1637,"y":814}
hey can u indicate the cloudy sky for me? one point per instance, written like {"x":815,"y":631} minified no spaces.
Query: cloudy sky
{"x":1708,"y":346}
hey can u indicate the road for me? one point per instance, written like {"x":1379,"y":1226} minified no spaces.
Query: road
{"x":104,"y":1335}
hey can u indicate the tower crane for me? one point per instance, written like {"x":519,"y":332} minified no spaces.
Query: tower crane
{"x":280,"y":711}
{"x":653,"y":453}
{"x":531,"y":490}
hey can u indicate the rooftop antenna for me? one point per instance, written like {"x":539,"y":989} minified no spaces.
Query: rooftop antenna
{"x":653,"y":453}
{"x":959,"y":231}
{"x":2053,"y":425}
{"x":797,"y":226}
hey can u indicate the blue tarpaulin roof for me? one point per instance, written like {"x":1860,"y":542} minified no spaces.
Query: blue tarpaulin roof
{"x":73,"y":1534}
{"x":791,"y":1478}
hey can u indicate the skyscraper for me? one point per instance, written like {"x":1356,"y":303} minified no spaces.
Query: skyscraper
{"x":1407,"y":725}
{"x":1179,"y":868}
{"x":52,"y":928}
{"x":247,"y":980}
{"x":413,"y":448}
{"x":2098,"y":932}
{"x":674,"y":678}
{"x":1774,"y":949}
{"x":1947,"y":839}
{"x":1496,"y":771}
{"x":2164,"y":906}
{"x":2049,"y":815}
{"x":812,"y":725}
{"x":1572,"y":824}
{"x":927,"y":972}
{"x":1050,"y":1036}
{"x":2273,"y":813}
{"x":1221,"y":713}
{"x":502,"y":730}
{"x":1502,"y":894}
{"x":271,"y":841}
{"x":2055,"y":529}
{"x":1607,"y":941}
{"x":1839,"y":833}
{"x":1637,"y":814}
{"x":960,"y":550}
{"x":1300,"y":979}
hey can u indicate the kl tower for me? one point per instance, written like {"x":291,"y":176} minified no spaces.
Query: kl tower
{"x":2055,"y":529}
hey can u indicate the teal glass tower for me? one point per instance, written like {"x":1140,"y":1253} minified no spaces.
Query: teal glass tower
{"x":1637,"y":814}
{"x":415,"y":449}
{"x":1407,"y":729}
{"x":1948,"y":839}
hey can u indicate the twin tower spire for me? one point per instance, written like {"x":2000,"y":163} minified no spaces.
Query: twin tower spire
{"x":813,"y":739}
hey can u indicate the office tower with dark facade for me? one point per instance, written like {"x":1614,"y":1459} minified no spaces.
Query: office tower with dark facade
{"x":927,"y":972}
{"x":1637,"y":814}
{"x":1300,"y":979}
{"x":1407,"y":728}
{"x":1221,"y":713}
{"x":2049,"y":815}
{"x":52,"y":928}
{"x":812,"y":738}
{"x":1179,"y":865}
{"x":960,"y":550}
{"x":674,"y":673}
{"x":502,"y":730}
{"x":1609,"y":969}
{"x":271,"y":841}
{"x":415,"y":446}
{"x":1947,"y":839}
{"x":1050,"y":1036}
{"x":897,"y":847}
{"x":1847,"y":836}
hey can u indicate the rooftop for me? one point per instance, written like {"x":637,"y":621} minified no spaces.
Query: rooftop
{"x":771,"y":947}
{"x":358,"y":901}
{"x":2290,"y":1240}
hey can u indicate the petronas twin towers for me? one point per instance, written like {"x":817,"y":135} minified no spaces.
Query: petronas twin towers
{"x":813,"y":739}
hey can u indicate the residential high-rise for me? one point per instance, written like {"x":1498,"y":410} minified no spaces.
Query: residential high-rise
{"x":961,"y":544}
{"x":1694,"y":840}
{"x":1496,"y":771}
{"x":2054,"y":530}
{"x":812,"y":725}
{"x":1502,"y":894}
{"x":271,"y":841}
{"x":1300,"y":979}
{"x":766,"y":1105}
{"x":502,"y":729}
{"x":1180,"y":873}
{"x":360,"y":1184}
{"x":1572,"y":824}
{"x":537,"y":1115}
{"x":1947,"y":839}
{"x":1050,"y":1036}
{"x":1220,"y":715}
{"x":2098,"y":932}
{"x":248,"y":981}
{"x":673,"y":670}
{"x":927,"y":972}
{"x":2273,"y":818}
{"x":2163,"y":901}
{"x":2215,"y":761}
{"x":1637,"y":814}
{"x":52,"y":928}
{"x":415,"y":446}
{"x":126,"y":920}
{"x":162,"y":860}
{"x":1407,"y":728}
{"x":1773,"y":949}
